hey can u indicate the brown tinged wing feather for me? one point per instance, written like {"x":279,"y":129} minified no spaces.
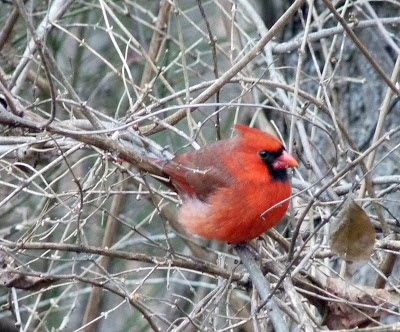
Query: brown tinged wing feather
{"x":199,"y":174}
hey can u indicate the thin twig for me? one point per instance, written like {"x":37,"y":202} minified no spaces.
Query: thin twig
{"x":240,"y":64}
{"x":262,"y":286}
{"x":362,"y":48}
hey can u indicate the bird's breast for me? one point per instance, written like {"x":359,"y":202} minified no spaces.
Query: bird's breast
{"x":234,"y":214}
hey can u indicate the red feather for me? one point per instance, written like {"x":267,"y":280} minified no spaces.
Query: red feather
{"x":226,"y":186}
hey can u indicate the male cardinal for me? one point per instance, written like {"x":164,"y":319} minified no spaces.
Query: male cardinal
{"x":226,"y":186}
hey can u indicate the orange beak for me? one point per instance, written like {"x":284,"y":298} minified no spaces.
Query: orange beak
{"x":285,"y":160}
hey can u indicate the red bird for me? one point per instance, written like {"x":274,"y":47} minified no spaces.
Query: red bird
{"x":226,"y":186}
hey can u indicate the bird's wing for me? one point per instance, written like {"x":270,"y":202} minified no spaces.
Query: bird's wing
{"x":200,"y":173}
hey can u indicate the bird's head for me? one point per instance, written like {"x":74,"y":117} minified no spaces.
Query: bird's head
{"x":269,"y":150}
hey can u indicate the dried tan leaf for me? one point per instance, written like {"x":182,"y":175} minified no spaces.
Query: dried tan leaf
{"x":360,"y":306}
{"x":352,"y":233}
{"x":10,"y":276}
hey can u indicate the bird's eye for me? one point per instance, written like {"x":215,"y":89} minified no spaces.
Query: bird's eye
{"x":269,"y":157}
